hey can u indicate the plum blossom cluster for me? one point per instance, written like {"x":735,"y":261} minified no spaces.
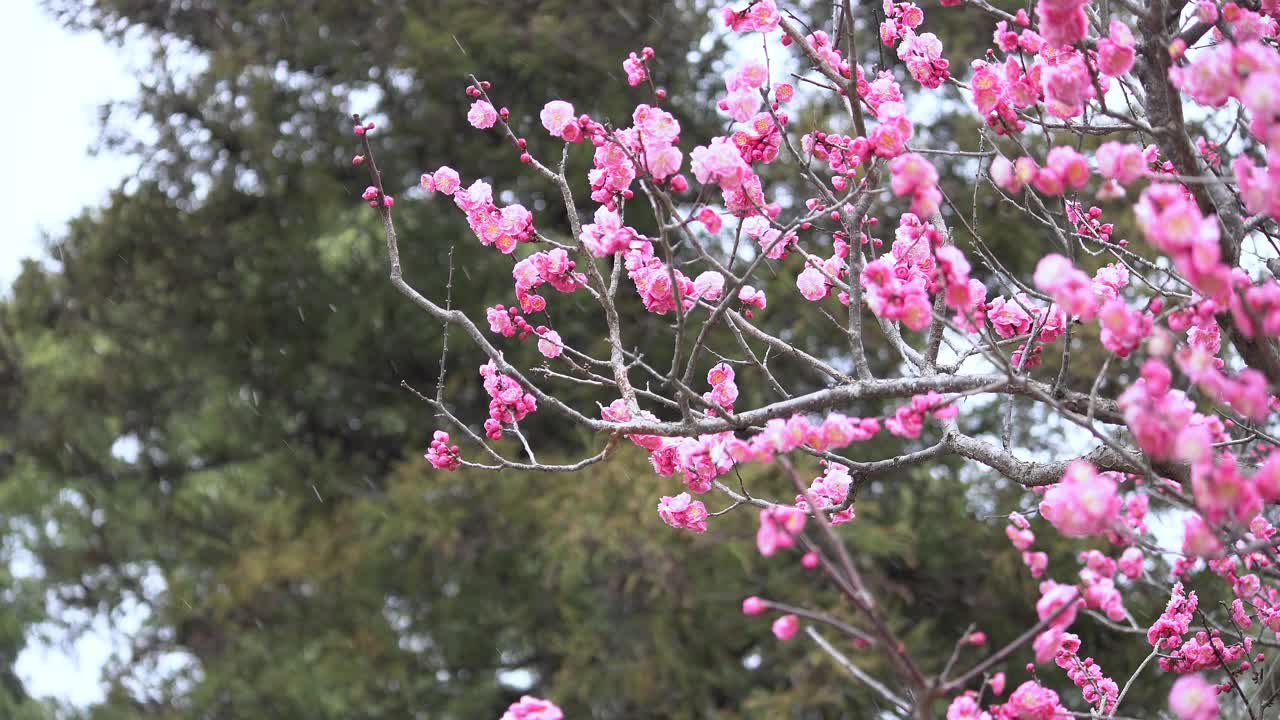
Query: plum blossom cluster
{"x":1206,"y":650}
{"x":897,"y":285}
{"x":1021,"y":536}
{"x":659,"y":285}
{"x":702,"y":459}
{"x":1072,"y":289}
{"x":1031,"y":701}
{"x":761,"y":140}
{"x":441,"y":454}
{"x":1022,"y":316}
{"x":508,"y":401}
{"x":1122,"y":164}
{"x":558,"y":119}
{"x":1047,"y":67}
{"x":841,"y":153}
{"x":1059,"y":604}
{"x":922,"y":53}
{"x":1123,"y":327}
{"x":752,"y":297}
{"x":1182,"y":420}
{"x":1156,"y":413}
{"x":1098,"y":578}
{"x":830,"y":490}
{"x":1099,"y":691}
{"x":897,"y":295}
{"x":1085,"y":503}
{"x":683,"y":513}
{"x":502,"y":228}
{"x":758,"y":16}
{"x":780,"y":525}
{"x":553,"y":268}
{"x":1066,"y":83}
{"x":1232,"y":70}
{"x":773,"y":242}
{"x":635,"y":68}
{"x":1259,"y":186}
{"x":743,"y":85}
{"x":1000,"y":90}
{"x":508,"y":322}
{"x":621,"y":155}
{"x":813,"y":281}
{"x":1203,"y":650}
{"x":724,"y":391}
{"x":1013,"y":176}
{"x":371,"y":194}
{"x":889,"y":137}
{"x":908,"y":420}
{"x":722,"y":164}
{"x":1062,"y":22}
{"x":1165,"y":424}
{"x":1065,"y":169}
{"x":1173,"y":223}
{"x":915,"y":177}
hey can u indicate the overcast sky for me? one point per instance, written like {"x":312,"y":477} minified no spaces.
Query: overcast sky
{"x":55,"y":80}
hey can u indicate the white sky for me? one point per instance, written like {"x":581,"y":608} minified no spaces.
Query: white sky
{"x":54,"y":81}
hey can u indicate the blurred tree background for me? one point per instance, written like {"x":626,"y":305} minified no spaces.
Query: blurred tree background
{"x":202,"y":424}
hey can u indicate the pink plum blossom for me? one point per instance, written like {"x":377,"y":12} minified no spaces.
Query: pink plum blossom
{"x":786,"y":627}
{"x":557,"y":115}
{"x":482,"y":115}
{"x":779,"y":526}
{"x":532,"y":708}
{"x":683,"y":512}
{"x":1084,"y":503}
{"x":1193,"y":698}
{"x":549,"y":343}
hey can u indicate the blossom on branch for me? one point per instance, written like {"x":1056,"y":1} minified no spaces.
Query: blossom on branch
{"x":1147,"y":363}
